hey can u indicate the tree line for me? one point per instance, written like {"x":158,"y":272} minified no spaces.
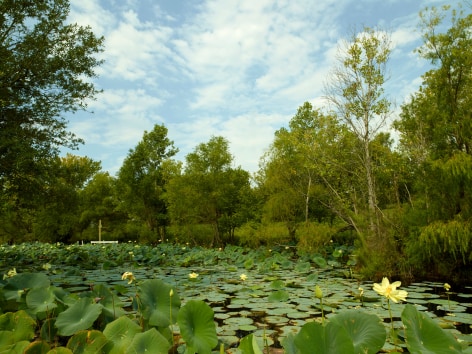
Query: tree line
{"x":334,"y":174}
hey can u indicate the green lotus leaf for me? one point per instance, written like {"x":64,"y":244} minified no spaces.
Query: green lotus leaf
{"x":87,"y":342}
{"x":303,"y":267}
{"x":16,"y":327}
{"x":37,"y":347}
{"x":60,"y":350}
{"x":78,"y":317}
{"x":48,"y":330}
{"x":423,"y":335}
{"x":112,"y":305}
{"x":156,"y":303}
{"x":150,"y":341}
{"x":18,"y":348}
{"x":279,"y":295}
{"x":288,"y":343}
{"x":277,"y":284}
{"x":320,"y":261}
{"x":314,"y":338}
{"x":41,"y":299}
{"x":121,"y":332}
{"x":197,"y":327}
{"x":367,"y":332}
{"x":248,"y":345}
{"x":17,"y":285}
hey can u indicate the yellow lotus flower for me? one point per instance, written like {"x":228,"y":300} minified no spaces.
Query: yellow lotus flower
{"x":243,"y":277}
{"x":193,"y":275}
{"x":447,"y":287}
{"x":128,"y":276}
{"x":10,"y":273}
{"x":390,"y":290}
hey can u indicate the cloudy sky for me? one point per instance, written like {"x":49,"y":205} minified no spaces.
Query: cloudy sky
{"x":232,"y":68}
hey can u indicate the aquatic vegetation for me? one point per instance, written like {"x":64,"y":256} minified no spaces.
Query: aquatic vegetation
{"x":147,"y":303}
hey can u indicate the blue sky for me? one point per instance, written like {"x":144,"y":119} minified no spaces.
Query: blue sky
{"x":232,"y":68}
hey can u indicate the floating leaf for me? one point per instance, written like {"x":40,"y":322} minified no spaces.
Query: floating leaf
{"x":279,"y":295}
{"x":320,"y":261}
{"x":277,"y":284}
{"x":197,"y":327}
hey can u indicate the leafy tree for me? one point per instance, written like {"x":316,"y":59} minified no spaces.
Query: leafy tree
{"x":45,"y":70}
{"x":141,"y":182}
{"x":356,"y":91}
{"x":210,"y":191}
{"x":58,"y":217}
{"x":99,"y":201}
{"x":436,"y":132}
{"x":309,"y":174}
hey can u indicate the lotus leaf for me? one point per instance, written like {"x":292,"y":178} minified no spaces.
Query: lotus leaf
{"x":279,"y":295}
{"x":156,"y":303}
{"x":48,"y":330}
{"x":366,"y":331}
{"x":41,"y":299}
{"x":248,"y":345}
{"x":121,"y":332}
{"x":38,"y":346}
{"x":78,"y":317}
{"x":150,"y":341}
{"x":15,"y":327}
{"x":423,"y":335}
{"x":88,"y":342}
{"x":197,"y":327}
{"x":17,"y":285}
{"x":60,"y":350}
{"x":314,"y":338}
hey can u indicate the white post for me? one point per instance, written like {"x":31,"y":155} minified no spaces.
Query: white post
{"x":100,"y":230}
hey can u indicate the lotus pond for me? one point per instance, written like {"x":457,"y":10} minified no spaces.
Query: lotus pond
{"x":261,"y":298}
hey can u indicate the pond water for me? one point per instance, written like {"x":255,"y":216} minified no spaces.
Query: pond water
{"x":273,"y":304}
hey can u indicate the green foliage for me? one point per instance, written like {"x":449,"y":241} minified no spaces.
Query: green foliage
{"x":211,"y":192}
{"x":147,"y":313}
{"x":46,"y":68}
{"x":316,"y":338}
{"x":141,"y":181}
{"x":156,"y":303}
{"x":197,"y":327}
{"x":313,"y":236}
{"x":365,"y":330}
{"x":77,"y":317}
{"x":423,"y":335}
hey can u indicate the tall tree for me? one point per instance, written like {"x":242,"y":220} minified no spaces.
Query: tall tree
{"x":356,"y":91}
{"x":45,"y":69}
{"x":141,"y":179}
{"x":210,"y":191}
{"x":436,"y":132}
{"x":58,"y":217}
{"x":308,"y":173}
